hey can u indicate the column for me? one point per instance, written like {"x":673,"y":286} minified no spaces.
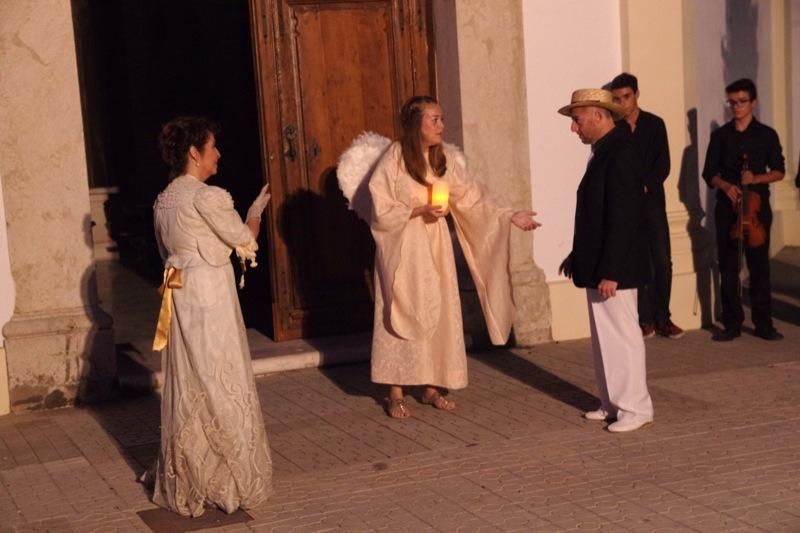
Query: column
{"x":59,"y":344}
{"x":490,"y":73}
{"x":657,"y":47}
{"x":785,"y":47}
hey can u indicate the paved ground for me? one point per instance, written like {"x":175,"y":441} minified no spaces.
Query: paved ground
{"x":723,"y":454}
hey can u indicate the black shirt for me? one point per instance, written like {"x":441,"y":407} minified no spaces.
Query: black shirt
{"x":727,"y":147}
{"x":652,"y":147}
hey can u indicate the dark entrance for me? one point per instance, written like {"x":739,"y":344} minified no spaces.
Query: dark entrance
{"x":142,"y":62}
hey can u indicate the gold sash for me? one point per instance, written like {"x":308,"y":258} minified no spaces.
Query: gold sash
{"x":172,"y":280}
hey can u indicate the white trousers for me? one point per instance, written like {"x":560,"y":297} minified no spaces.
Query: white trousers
{"x":619,"y":355}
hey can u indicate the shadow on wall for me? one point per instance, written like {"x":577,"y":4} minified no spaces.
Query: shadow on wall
{"x":704,"y":257}
{"x":331,"y":255}
{"x":98,"y":369}
{"x":739,"y":45}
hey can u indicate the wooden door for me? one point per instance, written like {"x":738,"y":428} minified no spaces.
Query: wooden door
{"x":328,"y":70}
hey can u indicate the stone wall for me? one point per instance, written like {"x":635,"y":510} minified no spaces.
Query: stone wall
{"x":58,"y":343}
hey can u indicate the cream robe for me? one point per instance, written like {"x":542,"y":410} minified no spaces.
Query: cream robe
{"x":418,"y":335}
{"x":213,"y":445}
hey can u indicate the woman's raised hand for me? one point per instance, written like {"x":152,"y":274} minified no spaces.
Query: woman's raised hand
{"x":524,"y":220}
{"x":260,"y":203}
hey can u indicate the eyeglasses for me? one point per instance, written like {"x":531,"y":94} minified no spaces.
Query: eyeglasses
{"x":734,"y":103}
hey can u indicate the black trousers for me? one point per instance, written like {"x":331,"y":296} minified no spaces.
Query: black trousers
{"x":654,"y":297}
{"x":757,"y":263}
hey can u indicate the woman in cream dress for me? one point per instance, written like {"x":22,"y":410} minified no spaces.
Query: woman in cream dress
{"x":214,"y":449}
{"x":418,"y":335}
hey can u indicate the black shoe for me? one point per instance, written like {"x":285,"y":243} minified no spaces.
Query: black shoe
{"x":727,"y":335}
{"x":769,"y":334}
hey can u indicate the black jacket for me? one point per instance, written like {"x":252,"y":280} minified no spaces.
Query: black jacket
{"x":609,"y":242}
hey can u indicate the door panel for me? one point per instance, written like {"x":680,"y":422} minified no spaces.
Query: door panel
{"x":328,"y":70}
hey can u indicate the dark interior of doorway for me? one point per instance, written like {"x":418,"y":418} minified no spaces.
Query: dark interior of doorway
{"x":142,"y":62}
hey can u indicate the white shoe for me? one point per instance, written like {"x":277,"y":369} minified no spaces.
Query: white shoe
{"x":632,"y":424}
{"x":598,"y":414}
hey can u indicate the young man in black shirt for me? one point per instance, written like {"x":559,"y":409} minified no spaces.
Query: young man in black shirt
{"x":650,"y":141}
{"x":743,"y":152}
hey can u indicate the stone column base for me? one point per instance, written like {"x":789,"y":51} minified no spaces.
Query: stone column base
{"x":532,"y":297}
{"x":59,"y":358}
{"x":104,"y":246}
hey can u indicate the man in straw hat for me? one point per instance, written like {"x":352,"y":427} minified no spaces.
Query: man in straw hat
{"x":608,"y":259}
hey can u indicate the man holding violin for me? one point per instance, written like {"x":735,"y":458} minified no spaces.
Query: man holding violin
{"x":744,"y":156}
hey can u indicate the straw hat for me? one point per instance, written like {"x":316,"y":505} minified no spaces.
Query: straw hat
{"x":594,"y":98}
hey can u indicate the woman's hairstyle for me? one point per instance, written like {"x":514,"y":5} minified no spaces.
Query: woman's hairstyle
{"x":180,"y":134}
{"x":410,"y":142}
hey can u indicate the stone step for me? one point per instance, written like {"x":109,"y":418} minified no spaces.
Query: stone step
{"x":139,"y":368}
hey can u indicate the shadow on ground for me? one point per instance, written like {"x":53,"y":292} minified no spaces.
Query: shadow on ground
{"x":536,"y":377}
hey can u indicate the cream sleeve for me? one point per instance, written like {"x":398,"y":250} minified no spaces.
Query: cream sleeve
{"x":215,"y":206}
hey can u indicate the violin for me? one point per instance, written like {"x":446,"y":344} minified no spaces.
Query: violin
{"x":748,"y":228}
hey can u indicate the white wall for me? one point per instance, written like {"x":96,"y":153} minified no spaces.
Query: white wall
{"x":6,"y":302}
{"x":569,"y":44}
{"x":713,"y":37}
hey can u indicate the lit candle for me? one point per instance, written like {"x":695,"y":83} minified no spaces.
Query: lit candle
{"x":440,"y":193}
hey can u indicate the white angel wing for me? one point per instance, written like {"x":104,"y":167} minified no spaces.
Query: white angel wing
{"x":356,"y":165}
{"x":458,"y":156}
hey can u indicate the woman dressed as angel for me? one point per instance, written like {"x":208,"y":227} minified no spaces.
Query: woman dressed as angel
{"x":418,"y":337}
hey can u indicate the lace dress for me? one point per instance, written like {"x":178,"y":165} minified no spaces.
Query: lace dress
{"x":214,"y":449}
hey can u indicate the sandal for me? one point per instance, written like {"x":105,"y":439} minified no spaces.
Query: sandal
{"x":438,"y":401}
{"x":397,"y":408}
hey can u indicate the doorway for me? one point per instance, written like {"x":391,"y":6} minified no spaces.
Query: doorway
{"x":292,"y":83}
{"x":143,"y":62}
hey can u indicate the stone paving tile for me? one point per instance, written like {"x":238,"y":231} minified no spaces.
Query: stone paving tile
{"x":566,"y":515}
{"x":790,"y":526}
{"x":342,"y":388}
{"x":418,"y":430}
{"x":434,"y":508}
{"x":300,"y":451}
{"x":791,"y":505}
{"x":723,"y":455}
{"x":389,"y":517}
{"x":485,"y":504}
{"x":18,"y":448}
{"x":718,"y":522}
{"x":761,"y":515}
{"x":34,"y":434}
{"x":520,"y":415}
